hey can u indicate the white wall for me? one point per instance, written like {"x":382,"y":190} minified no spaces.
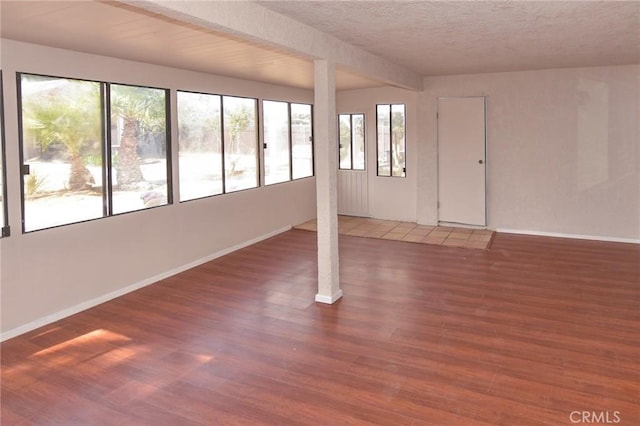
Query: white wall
{"x":563,"y":149}
{"x":390,"y":198}
{"x":49,"y":273}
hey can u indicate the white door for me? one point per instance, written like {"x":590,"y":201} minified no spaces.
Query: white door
{"x":353,"y":189}
{"x":462,"y":160}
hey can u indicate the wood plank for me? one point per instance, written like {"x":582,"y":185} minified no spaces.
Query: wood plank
{"x":523,"y":333}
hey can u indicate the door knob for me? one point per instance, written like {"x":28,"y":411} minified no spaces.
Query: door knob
{"x":480,"y":162}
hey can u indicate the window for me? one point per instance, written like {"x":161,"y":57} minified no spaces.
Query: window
{"x":301,"y":141}
{"x":351,"y":141}
{"x":240,"y":143}
{"x":200,"y":145}
{"x":73,"y":170}
{"x":62,"y":149}
{"x":391,"y":140}
{"x":3,"y":170}
{"x":288,"y":141}
{"x":277,"y":160}
{"x":218,"y":144}
{"x":138,"y":148}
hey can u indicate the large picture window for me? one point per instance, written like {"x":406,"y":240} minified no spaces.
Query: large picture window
{"x":138,"y":148}
{"x":301,"y":141}
{"x":277,"y":154}
{"x":200,"y":145}
{"x":351,"y":140}
{"x":288,"y":141}
{"x":63,"y":151}
{"x":391,"y":140}
{"x":73,"y":170}
{"x":240,"y":143}
{"x":218,"y":144}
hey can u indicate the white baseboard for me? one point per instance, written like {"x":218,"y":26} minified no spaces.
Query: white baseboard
{"x":576,"y":236}
{"x":354,"y":214}
{"x":329,"y":300}
{"x":462,"y":225}
{"x":133,"y":287}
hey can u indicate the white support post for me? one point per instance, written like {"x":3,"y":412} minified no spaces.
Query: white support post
{"x":326,"y":156}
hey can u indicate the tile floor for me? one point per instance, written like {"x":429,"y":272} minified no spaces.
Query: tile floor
{"x":410,"y":232}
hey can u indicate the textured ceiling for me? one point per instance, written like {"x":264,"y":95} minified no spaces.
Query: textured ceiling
{"x":428,"y":37}
{"x":462,"y":37}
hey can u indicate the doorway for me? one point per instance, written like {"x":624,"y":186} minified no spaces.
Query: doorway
{"x":462,"y":160}
{"x":353,"y":188}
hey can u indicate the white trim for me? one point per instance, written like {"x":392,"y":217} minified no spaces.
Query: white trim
{"x":329,"y":300}
{"x":461,"y":225}
{"x":356,"y":214}
{"x":563,"y":235}
{"x":135,"y":286}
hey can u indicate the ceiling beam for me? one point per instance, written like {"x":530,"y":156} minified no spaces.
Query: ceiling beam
{"x":252,"y":22}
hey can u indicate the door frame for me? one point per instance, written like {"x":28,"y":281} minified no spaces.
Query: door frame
{"x":363,"y":173}
{"x":486,"y":204}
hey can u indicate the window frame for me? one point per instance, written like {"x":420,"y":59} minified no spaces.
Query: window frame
{"x":106,"y":123}
{"x":5,"y":230}
{"x":105,"y":149}
{"x":222,"y":176}
{"x":258,"y":123}
{"x":313,"y":141}
{"x":222,"y":142}
{"x":390,"y":144}
{"x":290,"y":141}
{"x":364,"y":141}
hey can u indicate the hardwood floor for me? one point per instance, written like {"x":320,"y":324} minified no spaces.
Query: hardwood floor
{"x":522,"y":334}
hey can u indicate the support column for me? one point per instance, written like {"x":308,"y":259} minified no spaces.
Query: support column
{"x":326,"y":163}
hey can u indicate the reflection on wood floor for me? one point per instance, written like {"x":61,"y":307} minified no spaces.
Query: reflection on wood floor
{"x":525,"y":334}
